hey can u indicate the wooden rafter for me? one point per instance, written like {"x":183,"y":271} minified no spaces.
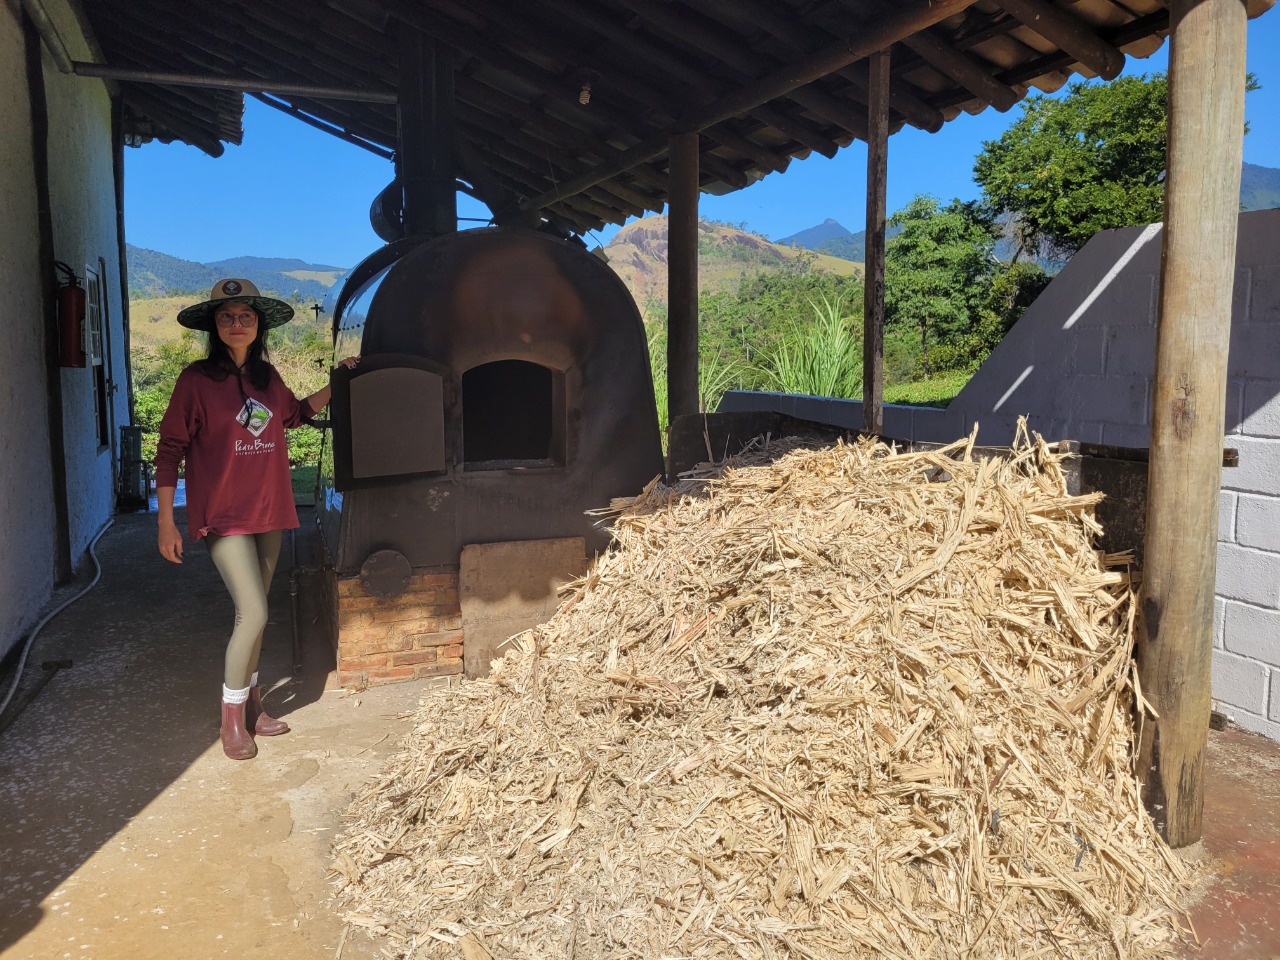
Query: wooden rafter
{"x":762,"y":81}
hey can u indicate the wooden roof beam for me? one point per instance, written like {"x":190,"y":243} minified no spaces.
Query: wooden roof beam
{"x":1068,"y":32}
{"x":963,"y":69}
{"x":502,"y":61}
{"x":554,"y":135}
{"x":1117,"y":37}
{"x":502,"y":203}
{"x":856,"y":46}
{"x":765,"y":159}
{"x":660,"y":102}
{"x":580,"y":221}
{"x":326,"y":126}
{"x":800,"y":40}
{"x":259,"y":43}
{"x":913,"y":108}
{"x":615,"y":196}
{"x":668,"y":63}
{"x":497,"y":135}
{"x":180,"y":126}
{"x":621,"y":94}
{"x":580,"y":203}
{"x":660,"y":56}
{"x":587,"y":144}
{"x":797,"y":130}
{"x":549,"y":132}
{"x":746,"y":62}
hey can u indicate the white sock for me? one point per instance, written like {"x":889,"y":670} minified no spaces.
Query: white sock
{"x":234,"y":696}
{"x":253,"y":681}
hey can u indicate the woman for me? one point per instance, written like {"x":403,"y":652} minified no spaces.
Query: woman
{"x":226,"y":419}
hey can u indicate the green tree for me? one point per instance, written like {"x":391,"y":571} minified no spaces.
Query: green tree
{"x":1073,"y":165}
{"x":937,"y":270}
{"x":1013,"y":288}
{"x":750,"y":322}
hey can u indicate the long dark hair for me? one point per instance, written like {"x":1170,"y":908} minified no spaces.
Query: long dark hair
{"x":218,"y":365}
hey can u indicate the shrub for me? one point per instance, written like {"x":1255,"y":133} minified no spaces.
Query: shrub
{"x":821,"y":359}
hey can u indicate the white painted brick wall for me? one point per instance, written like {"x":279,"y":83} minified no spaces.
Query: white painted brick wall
{"x":1252,"y":576}
{"x":1261,"y":412}
{"x":1259,"y":470}
{"x":1257,"y":522}
{"x":1227,"y":505}
{"x":1251,"y":631}
{"x":1241,"y":681}
{"x":1079,"y":363}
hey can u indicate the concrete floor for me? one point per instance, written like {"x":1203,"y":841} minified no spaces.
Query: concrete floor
{"x":125,"y":833}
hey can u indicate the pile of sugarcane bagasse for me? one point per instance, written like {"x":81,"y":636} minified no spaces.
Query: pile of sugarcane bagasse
{"x":819,"y":703}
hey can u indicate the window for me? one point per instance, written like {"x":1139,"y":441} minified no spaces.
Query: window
{"x":512,"y":416}
{"x":102,"y":384}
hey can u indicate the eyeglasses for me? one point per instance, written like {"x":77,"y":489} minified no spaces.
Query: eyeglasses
{"x":243,"y":319}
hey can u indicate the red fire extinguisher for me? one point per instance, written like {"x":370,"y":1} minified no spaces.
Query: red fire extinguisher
{"x":71,"y":299}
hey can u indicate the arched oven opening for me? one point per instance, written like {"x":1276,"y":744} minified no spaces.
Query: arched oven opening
{"x":513,"y":415}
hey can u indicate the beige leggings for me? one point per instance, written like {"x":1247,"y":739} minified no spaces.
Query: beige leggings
{"x":247,"y":563}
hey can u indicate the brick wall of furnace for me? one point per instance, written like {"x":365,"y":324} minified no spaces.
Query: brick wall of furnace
{"x":415,"y":635}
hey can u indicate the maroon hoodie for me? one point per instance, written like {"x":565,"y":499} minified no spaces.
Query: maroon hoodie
{"x":237,"y":459}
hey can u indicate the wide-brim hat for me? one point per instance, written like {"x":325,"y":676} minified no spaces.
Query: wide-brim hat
{"x":200,"y":316}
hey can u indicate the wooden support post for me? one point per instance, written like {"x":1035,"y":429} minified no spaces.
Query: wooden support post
{"x":1202,"y":202}
{"x":873,"y":259}
{"x":682,"y":277}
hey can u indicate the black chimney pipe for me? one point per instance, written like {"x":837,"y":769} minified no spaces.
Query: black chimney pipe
{"x":424,"y":158}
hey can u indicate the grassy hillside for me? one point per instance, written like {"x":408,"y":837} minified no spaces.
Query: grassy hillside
{"x":155,"y":273}
{"x":154,"y":320}
{"x":326,"y":278}
{"x":638,"y":254}
{"x":270,"y":265}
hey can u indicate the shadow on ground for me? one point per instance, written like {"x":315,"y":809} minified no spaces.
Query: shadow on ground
{"x":124,"y":831}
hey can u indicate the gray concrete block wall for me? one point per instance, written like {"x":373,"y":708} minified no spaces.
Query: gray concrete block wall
{"x":1079,"y":365}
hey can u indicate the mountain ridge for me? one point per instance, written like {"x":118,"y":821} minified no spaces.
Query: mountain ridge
{"x":638,"y":254}
{"x":156,"y":274}
{"x":1259,"y":190}
{"x":1259,"y":187}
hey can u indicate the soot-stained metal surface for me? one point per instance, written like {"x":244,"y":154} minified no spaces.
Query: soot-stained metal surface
{"x":504,"y":391}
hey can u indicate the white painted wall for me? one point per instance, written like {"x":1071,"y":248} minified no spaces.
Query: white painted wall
{"x":26,"y":480}
{"x":82,"y":190}
{"x":1079,"y":364}
{"x":83,"y":201}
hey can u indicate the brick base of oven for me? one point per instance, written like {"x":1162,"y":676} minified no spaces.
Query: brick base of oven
{"x":417,"y":634}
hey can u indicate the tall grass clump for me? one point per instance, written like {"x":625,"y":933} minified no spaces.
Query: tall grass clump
{"x":820,"y":359}
{"x":658,"y":368}
{"x":716,"y":374}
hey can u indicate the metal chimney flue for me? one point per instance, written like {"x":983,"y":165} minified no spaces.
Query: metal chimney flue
{"x":424,"y":154}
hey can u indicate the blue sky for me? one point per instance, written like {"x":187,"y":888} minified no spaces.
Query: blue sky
{"x":296,"y":192}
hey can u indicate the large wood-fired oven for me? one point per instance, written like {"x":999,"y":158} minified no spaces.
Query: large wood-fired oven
{"x":504,"y":391}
